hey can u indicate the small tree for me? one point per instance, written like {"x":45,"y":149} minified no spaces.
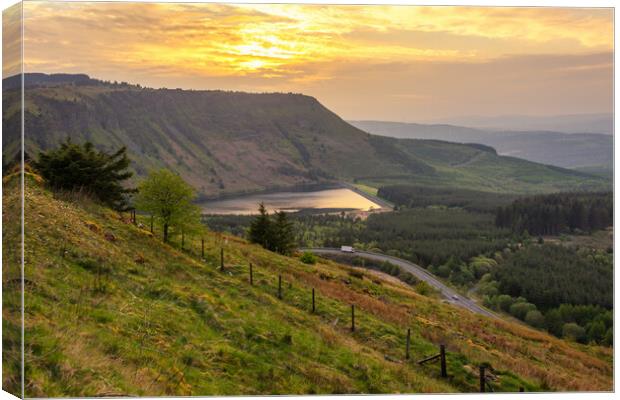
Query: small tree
{"x":283,"y":235}
{"x":574,"y":332}
{"x":521,"y":308}
{"x":190,"y":224}
{"x":81,"y":167}
{"x":535,"y":318}
{"x":596,"y":331}
{"x":504,"y":302}
{"x":168,"y":198}
{"x":277,"y":235}
{"x":260,"y":228}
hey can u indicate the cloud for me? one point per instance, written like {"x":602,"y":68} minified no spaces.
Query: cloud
{"x":11,"y":41}
{"x":364,"y":61}
{"x":526,"y":84}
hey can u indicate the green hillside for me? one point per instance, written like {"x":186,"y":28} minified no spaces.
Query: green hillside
{"x":567,"y":150}
{"x":232,"y":142}
{"x":110,"y":310}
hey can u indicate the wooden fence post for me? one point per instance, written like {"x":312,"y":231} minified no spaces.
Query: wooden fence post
{"x":202,"y":252}
{"x":352,"y":317}
{"x":442,"y":354}
{"x":313,"y":307}
{"x":408,"y":342}
{"x":182,"y":240}
{"x":482,"y":378}
{"x":251,"y":275}
{"x":151,"y":223}
{"x":222,"y":259}
{"x":280,"y":287}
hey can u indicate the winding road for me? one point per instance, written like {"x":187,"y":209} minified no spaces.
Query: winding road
{"x":451,"y":295}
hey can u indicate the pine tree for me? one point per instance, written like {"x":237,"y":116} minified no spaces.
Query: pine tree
{"x":260,"y":231}
{"x":80,"y":167}
{"x":283,"y":234}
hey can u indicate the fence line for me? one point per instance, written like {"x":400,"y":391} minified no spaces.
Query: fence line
{"x":441,"y":356}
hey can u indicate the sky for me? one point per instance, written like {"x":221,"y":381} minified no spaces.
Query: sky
{"x":400,"y":63}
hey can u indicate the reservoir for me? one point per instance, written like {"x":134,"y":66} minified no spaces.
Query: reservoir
{"x":290,"y":201}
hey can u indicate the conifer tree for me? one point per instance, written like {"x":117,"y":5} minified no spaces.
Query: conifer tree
{"x":82,"y":168}
{"x":260,"y":228}
{"x":283,"y":234}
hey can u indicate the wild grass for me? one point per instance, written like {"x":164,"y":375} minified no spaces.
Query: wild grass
{"x":113,"y":311}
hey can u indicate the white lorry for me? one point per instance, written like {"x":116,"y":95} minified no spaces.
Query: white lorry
{"x":347,"y":249}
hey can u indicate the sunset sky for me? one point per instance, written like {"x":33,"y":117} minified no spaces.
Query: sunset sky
{"x":401,"y":63}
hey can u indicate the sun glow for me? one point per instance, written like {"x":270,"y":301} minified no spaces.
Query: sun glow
{"x":259,"y":38}
{"x":406,"y":52}
{"x":252,"y":64}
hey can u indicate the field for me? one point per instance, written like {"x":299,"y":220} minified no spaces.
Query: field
{"x":143,"y":318}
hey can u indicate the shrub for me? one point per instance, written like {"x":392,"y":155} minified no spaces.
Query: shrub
{"x":423,"y":288}
{"x":504,"y":302}
{"x":356,"y":274}
{"x":572,"y":331}
{"x":308,"y":258}
{"x":535,"y":318}
{"x":596,"y":331}
{"x":521,"y":309}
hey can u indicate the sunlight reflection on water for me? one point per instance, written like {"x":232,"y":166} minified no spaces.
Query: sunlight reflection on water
{"x":290,"y":201}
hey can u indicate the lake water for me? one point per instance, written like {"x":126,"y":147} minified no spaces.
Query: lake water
{"x":290,"y":201}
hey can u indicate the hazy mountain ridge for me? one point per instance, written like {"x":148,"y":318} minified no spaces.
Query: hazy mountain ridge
{"x":231,"y":142}
{"x":575,"y":150}
{"x":568,"y":123}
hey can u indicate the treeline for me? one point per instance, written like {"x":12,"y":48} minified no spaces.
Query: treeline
{"x":423,"y":196}
{"x":429,"y":236}
{"x":232,"y":224}
{"x":557,"y":213}
{"x":580,"y":323}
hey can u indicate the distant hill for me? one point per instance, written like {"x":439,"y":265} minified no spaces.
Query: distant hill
{"x":233,"y":142}
{"x":578,"y":150}
{"x":569,"y":123}
{"x":39,"y":79}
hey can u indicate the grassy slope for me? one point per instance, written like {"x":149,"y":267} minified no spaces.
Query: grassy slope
{"x":467,"y":167}
{"x":543,"y":146}
{"x":225,"y":142}
{"x":169,"y":323}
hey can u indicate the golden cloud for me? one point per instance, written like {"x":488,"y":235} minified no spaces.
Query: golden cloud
{"x":217,"y":39}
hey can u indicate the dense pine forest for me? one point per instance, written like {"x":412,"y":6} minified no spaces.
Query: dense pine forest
{"x":411,"y":196}
{"x":557,"y":213}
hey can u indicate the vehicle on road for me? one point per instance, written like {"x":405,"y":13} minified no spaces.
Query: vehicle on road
{"x":347,"y":249}
{"x":455,"y":297}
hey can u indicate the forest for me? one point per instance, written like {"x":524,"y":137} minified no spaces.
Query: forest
{"x":557,"y":213}
{"x":571,"y":295}
{"x":563,"y":276}
{"x":411,"y":196}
